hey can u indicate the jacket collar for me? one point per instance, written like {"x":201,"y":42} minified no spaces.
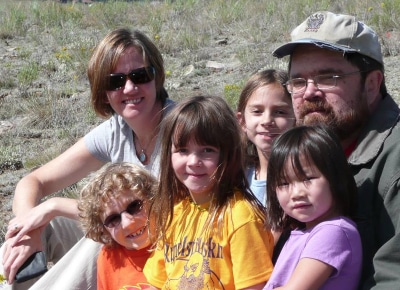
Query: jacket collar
{"x":378,"y":128}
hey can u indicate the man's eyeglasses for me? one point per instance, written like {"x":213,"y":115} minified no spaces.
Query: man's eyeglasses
{"x":322,"y":82}
{"x":137,"y":76}
{"x":133,"y":208}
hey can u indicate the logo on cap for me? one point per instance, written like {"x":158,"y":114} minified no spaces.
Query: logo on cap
{"x":314,"y":22}
{"x":337,"y":32}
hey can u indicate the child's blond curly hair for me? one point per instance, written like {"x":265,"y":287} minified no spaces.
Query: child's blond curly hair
{"x":107,"y":184}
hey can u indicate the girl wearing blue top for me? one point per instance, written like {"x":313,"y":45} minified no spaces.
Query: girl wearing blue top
{"x":264,"y":112}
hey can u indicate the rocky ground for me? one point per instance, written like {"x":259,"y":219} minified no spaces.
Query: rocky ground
{"x":214,"y":67}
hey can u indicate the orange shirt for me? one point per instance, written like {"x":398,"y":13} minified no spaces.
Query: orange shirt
{"x":121,"y":269}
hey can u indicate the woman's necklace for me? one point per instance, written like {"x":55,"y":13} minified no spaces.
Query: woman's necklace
{"x":142,"y":155}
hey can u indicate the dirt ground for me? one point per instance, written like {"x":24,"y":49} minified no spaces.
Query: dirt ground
{"x":220,"y":66}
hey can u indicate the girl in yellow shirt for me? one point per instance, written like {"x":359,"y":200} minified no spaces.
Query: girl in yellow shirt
{"x":209,"y":225}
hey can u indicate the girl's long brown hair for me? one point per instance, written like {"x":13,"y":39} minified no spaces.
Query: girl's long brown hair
{"x":208,"y":120}
{"x":256,"y":81}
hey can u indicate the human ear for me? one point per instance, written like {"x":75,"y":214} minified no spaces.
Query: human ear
{"x":241,"y":120}
{"x":107,"y":99}
{"x":372,"y":86}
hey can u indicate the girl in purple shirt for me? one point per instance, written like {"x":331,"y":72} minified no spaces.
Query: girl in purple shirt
{"x":312,"y":192}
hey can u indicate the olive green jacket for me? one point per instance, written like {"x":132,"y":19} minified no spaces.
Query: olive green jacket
{"x":375,"y":163}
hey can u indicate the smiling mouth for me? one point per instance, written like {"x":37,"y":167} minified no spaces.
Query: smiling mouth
{"x":301,"y":206}
{"x":138,"y":233}
{"x":317,"y":110}
{"x":270,"y":134}
{"x":196,"y":175}
{"x":133,"y":101}
{"x":314,"y":107}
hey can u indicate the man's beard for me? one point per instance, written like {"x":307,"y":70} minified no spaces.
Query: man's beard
{"x":344,"y":125}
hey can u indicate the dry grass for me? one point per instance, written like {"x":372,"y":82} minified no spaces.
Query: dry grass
{"x":45,"y":46}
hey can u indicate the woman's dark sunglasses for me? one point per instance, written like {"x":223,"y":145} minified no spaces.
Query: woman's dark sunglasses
{"x":137,"y":76}
{"x":133,"y":208}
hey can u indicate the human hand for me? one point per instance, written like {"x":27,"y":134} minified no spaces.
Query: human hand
{"x":36,"y":218}
{"x":15,"y":256}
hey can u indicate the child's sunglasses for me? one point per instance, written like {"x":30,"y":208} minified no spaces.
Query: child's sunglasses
{"x":132,"y":209}
{"x":137,"y":76}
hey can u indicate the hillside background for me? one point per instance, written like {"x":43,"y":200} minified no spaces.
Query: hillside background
{"x":209,"y":47}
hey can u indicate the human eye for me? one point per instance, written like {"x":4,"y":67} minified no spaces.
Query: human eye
{"x":296,"y":85}
{"x":325,"y":81}
{"x":112,"y":220}
{"x":182,"y":150}
{"x":179,"y":149}
{"x":282,"y":184}
{"x":281,"y":112}
{"x":308,"y":179}
{"x":255,"y":111}
{"x":135,"y":207}
{"x":209,"y":149}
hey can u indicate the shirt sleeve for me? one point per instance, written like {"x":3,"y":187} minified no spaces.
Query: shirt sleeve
{"x":251,"y":250}
{"x":154,"y":270}
{"x":98,"y":141}
{"x":319,"y":246}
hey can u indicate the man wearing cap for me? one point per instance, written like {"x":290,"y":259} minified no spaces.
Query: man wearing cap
{"x":337,"y":78}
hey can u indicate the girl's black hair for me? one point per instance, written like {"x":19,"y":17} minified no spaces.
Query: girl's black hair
{"x":319,"y":146}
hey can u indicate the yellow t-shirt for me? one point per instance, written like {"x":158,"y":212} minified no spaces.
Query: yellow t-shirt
{"x":191,"y":259}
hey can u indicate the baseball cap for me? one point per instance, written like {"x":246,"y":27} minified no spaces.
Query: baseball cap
{"x":334,"y":31}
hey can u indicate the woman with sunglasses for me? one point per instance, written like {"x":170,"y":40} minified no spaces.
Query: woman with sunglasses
{"x":114,"y":211}
{"x":126,"y":76}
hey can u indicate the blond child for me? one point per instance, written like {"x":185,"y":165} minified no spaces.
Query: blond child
{"x":114,"y":211}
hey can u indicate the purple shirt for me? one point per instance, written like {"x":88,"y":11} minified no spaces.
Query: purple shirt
{"x":335,"y":242}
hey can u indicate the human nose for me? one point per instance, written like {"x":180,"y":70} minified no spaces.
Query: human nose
{"x":311,"y":84}
{"x":126,"y":219}
{"x":129,"y":86}
{"x":194,"y":159}
{"x":311,"y":90}
{"x":267,"y":119}
{"x":297,"y":191}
